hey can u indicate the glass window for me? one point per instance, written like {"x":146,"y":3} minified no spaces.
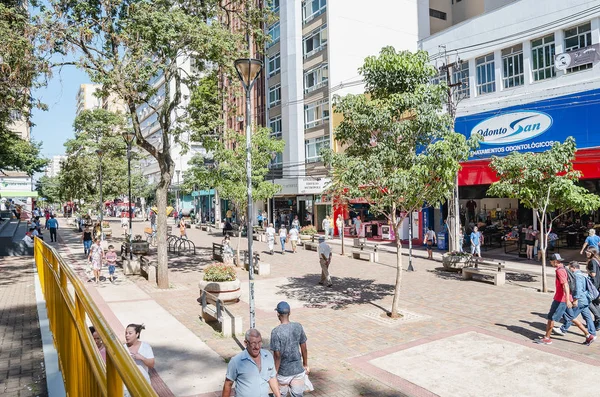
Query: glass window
{"x":277,"y":162}
{"x":312,"y":9}
{"x":315,"y":41}
{"x":486,"y":75}
{"x":275,"y":125}
{"x":274,"y":32}
{"x":316,"y":113}
{"x":274,"y":65}
{"x":542,"y":58}
{"x":274,"y":4}
{"x":512,"y":67}
{"x":275,"y":95}
{"x":576,"y":38}
{"x":460,"y":74}
{"x":313,"y":148}
{"x":437,"y":14}
{"x":315,"y":78}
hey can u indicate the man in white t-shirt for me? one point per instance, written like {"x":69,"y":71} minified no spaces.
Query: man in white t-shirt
{"x":325,"y":260}
{"x":293,"y":238}
{"x":270,"y":232}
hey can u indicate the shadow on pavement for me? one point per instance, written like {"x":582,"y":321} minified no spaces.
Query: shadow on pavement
{"x":520,"y":277}
{"x":345,"y":291}
{"x":526,"y":332}
{"x":365,"y":389}
{"x":445,"y":274}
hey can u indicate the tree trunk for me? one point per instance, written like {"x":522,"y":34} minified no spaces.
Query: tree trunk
{"x":543,"y":249}
{"x":161,"y":224}
{"x":396,"y":301}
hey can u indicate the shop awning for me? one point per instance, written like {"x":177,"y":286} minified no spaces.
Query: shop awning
{"x":18,"y":194}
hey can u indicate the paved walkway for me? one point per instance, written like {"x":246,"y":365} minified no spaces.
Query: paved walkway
{"x":21,"y":358}
{"x":354,"y":349}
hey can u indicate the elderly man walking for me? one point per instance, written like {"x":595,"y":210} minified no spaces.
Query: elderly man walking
{"x":288,"y":342}
{"x":325,"y":260}
{"x":252,"y":370}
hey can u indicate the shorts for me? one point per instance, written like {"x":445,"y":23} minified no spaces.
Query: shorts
{"x":475,"y":249}
{"x":557,"y":310}
{"x":429,"y":244}
{"x":529,"y":242}
{"x":294,"y":244}
{"x":111,"y":269}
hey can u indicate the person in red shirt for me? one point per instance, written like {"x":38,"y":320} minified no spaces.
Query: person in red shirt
{"x":562,"y":298}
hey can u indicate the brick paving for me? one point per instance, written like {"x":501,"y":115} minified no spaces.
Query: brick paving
{"x":21,"y":358}
{"x":343,"y":324}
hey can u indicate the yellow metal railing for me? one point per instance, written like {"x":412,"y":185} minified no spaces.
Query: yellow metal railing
{"x":69,"y":306}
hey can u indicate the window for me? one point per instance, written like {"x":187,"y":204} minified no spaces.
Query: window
{"x":315,"y":41}
{"x":315,"y":78}
{"x":274,"y":64}
{"x":275,"y":124}
{"x":274,"y":32}
{"x":275,"y":95}
{"x":277,"y":162}
{"x":512,"y":66}
{"x":437,"y":14}
{"x":312,"y":9}
{"x":486,"y":76}
{"x":316,"y":113}
{"x":542,"y":56}
{"x":460,"y":74}
{"x":274,"y":4}
{"x":576,"y":38}
{"x":313,"y":148}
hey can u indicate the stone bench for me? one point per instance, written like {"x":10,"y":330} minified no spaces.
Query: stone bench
{"x":148,"y":269}
{"x":215,"y":310}
{"x":373,"y":256}
{"x":486,"y":268}
{"x":310,"y":246}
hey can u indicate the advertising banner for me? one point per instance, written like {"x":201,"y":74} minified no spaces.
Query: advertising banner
{"x":535,"y":126}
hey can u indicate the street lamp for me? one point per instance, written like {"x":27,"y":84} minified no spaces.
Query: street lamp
{"x":129,"y":136}
{"x":100,"y":152}
{"x":248,"y":70}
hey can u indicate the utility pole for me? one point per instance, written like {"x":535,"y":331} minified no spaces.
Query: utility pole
{"x":453,"y":221}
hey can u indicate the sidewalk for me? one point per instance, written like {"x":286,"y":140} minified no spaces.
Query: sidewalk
{"x":21,"y":358}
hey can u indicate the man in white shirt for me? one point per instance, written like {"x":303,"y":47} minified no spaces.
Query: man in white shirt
{"x":293,"y":234}
{"x":325,"y":260}
{"x":270,"y":232}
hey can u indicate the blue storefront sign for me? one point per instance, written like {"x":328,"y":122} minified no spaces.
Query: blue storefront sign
{"x":535,"y":126}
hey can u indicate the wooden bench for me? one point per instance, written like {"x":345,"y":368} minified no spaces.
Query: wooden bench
{"x":148,"y":269}
{"x":486,"y":268}
{"x":213,"y":309}
{"x":217,"y":252}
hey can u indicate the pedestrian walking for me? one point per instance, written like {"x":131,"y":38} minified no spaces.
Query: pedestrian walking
{"x":182,"y":229}
{"x":325,"y":260}
{"x":86,"y":238}
{"x":52,"y":225}
{"x":296,"y":223}
{"x":476,"y":242}
{"x":288,"y":342}
{"x":325,"y":224}
{"x":358,"y":226}
{"x":340,"y":225}
{"x":282,"y":237}
{"x":252,"y":370}
{"x":96,"y":257}
{"x":562,"y":300}
{"x":270,"y":232}
{"x":429,"y":240}
{"x":293,"y":236}
{"x":111,"y":261}
{"x":593,"y":269}
{"x":581,"y":304}
{"x":153,"y":220}
{"x":530,"y":236}
{"x":141,"y":352}
{"x":124,"y":224}
{"x":591,"y":241}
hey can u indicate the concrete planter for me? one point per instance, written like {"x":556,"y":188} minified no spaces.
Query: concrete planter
{"x":455,"y":261}
{"x":227,"y":291}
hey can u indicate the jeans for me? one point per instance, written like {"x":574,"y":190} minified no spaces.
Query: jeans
{"x":53,"y":234}
{"x":282,"y":240}
{"x":87,"y":244}
{"x":572,"y":314}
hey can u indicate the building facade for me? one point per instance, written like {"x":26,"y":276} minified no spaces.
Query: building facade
{"x":86,"y":100}
{"x":528,"y":77}
{"x":54,"y":166}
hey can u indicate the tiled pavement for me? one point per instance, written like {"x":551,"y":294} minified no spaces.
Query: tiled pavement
{"x":344,"y":323}
{"x":21,"y":359}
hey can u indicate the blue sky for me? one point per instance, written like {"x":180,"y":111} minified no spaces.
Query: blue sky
{"x":54,"y":126}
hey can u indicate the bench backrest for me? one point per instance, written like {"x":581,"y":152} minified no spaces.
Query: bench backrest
{"x":483,"y":264}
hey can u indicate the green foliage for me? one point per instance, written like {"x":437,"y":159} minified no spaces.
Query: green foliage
{"x":219,"y":272}
{"x":48,"y":188}
{"x":308,"y":230}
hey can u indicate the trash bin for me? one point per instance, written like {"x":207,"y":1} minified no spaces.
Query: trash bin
{"x":442,"y":241}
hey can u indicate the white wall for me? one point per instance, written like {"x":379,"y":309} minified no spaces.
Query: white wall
{"x":517,"y":23}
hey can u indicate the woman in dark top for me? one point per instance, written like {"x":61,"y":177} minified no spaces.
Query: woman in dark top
{"x":86,"y":237}
{"x":593,"y":269}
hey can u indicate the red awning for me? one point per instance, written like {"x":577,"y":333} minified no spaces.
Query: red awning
{"x":478,"y":172}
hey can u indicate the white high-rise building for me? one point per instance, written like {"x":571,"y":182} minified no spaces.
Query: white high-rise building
{"x":54,"y":166}
{"x":86,"y":100}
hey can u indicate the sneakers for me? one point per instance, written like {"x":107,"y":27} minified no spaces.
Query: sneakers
{"x":590,"y":339}
{"x":558,"y":331}
{"x":544,"y":341}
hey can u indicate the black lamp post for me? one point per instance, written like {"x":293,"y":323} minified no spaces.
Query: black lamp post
{"x":248,"y":70}
{"x":100,"y":152}
{"x":129,"y":137}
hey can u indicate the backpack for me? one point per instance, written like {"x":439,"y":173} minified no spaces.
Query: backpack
{"x":571,"y":280}
{"x":591,"y":289}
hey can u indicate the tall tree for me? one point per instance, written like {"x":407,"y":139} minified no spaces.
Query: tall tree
{"x":128,"y":46}
{"x":400,"y":152}
{"x":48,"y":189}
{"x":545,"y":183}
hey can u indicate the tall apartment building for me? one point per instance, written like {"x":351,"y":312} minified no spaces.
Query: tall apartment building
{"x":86,"y":99}
{"x":446,"y":13}
{"x":54,"y":166}
{"x":315,"y":51}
